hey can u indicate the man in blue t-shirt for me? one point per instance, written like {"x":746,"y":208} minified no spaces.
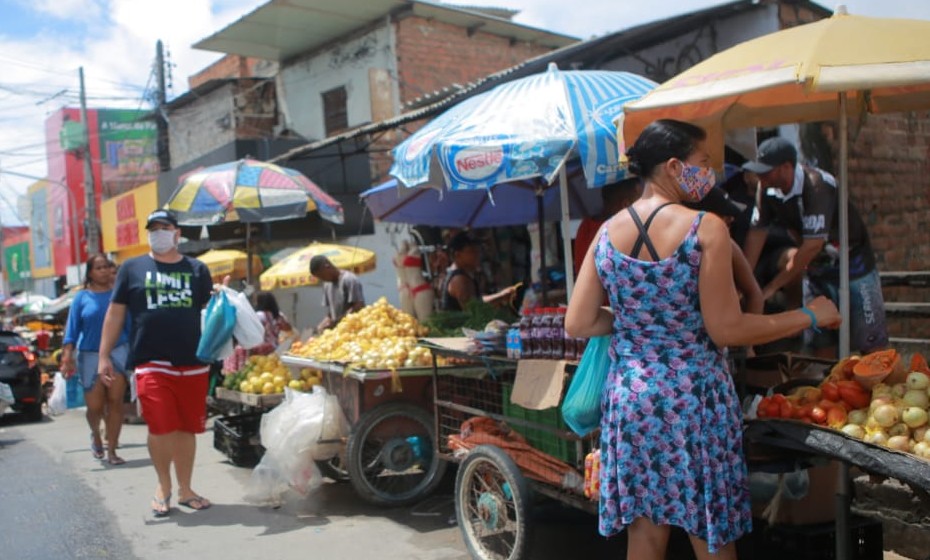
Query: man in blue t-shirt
{"x":163,"y":293}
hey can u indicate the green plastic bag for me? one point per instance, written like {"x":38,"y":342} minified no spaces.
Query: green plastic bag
{"x":581,"y":407}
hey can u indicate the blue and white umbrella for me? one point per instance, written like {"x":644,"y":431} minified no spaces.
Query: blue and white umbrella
{"x":523,"y":130}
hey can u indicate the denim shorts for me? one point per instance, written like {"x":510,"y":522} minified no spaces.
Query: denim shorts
{"x":868,"y":330}
{"x":87,"y":364}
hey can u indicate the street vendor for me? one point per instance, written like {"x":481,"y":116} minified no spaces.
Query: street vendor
{"x":342,"y":291}
{"x":461,"y":282}
{"x":802,"y":201}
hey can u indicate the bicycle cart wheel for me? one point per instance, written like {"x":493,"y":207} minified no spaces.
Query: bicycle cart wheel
{"x":491,"y":498}
{"x":391,"y":456}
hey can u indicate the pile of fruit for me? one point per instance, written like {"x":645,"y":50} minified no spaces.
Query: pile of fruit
{"x":378,"y":336}
{"x":872,"y":398}
{"x":266,"y":375}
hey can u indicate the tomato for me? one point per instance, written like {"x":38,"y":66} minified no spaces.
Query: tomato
{"x":830,"y":391}
{"x":802,"y":411}
{"x":785,"y":410}
{"x":819,"y":415}
{"x":762,"y":410}
{"x":836,"y":417}
{"x":854,"y":395}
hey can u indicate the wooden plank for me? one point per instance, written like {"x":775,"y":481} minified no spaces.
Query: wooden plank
{"x":913,"y":278}
{"x":907,"y":309}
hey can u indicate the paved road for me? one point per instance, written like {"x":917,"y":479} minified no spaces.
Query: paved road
{"x":58,"y":502}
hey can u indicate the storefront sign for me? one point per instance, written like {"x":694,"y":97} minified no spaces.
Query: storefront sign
{"x":123,"y":219}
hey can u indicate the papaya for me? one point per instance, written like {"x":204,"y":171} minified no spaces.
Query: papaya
{"x":883,"y":365}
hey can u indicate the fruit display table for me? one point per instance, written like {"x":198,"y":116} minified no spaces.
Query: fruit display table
{"x":249,"y":399}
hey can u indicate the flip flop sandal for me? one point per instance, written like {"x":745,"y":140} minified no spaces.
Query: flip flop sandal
{"x":97,"y":450}
{"x":161,"y":508}
{"x":116,"y":461}
{"x":196,"y":503}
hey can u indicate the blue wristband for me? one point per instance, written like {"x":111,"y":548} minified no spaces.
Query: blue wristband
{"x":813,"y":317}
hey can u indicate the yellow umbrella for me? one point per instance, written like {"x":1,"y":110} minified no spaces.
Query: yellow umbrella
{"x":829,"y":69}
{"x":294,"y":270}
{"x":229,"y":261}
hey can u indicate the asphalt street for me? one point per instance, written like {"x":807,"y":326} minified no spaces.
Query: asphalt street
{"x":57,"y":501}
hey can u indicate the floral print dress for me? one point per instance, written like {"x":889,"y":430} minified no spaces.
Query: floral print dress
{"x":671,"y":430}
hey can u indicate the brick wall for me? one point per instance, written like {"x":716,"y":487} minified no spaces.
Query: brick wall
{"x":230,"y":66}
{"x":432,"y":55}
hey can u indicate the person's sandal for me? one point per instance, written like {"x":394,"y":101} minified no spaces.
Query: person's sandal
{"x":196,"y":503}
{"x":161,"y":508}
{"x":96,"y":449}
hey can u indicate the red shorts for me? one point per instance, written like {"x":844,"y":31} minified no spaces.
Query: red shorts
{"x":173,"y":398}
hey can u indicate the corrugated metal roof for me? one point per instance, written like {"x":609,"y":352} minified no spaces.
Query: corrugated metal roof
{"x":283,"y":29}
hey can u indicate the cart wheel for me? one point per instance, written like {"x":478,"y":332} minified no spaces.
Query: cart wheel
{"x":491,"y":498}
{"x":391,"y":456}
{"x":334,"y":469}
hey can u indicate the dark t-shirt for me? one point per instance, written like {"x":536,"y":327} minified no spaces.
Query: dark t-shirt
{"x":164,"y":301}
{"x":814,"y":214}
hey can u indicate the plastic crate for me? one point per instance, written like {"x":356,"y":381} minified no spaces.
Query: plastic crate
{"x":817,"y":541}
{"x":542,"y":440}
{"x":238,"y":438}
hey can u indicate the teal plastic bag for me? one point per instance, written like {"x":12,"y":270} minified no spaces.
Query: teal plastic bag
{"x":218,"y":324}
{"x":581,"y":407}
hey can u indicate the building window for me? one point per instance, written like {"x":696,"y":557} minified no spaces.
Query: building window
{"x":335,"y":114}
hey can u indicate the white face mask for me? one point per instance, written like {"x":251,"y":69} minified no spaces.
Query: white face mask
{"x":161,"y":241}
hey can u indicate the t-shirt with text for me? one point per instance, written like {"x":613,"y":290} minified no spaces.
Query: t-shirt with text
{"x":164,"y":301}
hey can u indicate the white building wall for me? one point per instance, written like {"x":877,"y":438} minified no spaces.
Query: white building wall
{"x":203,"y":126}
{"x":302,"y":81}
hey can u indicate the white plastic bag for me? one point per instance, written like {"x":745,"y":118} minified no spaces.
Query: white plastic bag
{"x":249,"y":331}
{"x":291,"y":435}
{"x":58,"y":402}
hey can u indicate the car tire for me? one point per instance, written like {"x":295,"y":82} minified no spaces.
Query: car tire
{"x":33,"y":412}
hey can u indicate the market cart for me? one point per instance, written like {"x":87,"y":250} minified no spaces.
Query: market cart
{"x":389,"y":454}
{"x":499,"y":472}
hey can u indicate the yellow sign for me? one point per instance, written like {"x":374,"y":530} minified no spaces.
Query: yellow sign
{"x":122,"y":220}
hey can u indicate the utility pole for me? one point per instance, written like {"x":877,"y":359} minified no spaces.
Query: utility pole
{"x":90,"y":198}
{"x":164,"y":153}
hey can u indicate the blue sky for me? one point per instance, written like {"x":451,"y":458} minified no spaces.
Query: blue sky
{"x":43,"y":42}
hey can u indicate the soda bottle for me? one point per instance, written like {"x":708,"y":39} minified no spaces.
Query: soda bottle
{"x":544,"y":336}
{"x":526,"y":334}
{"x":558,"y":333}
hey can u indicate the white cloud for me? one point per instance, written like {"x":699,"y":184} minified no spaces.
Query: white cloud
{"x":81,"y":10}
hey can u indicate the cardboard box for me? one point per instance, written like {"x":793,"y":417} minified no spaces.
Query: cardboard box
{"x":818,"y":506}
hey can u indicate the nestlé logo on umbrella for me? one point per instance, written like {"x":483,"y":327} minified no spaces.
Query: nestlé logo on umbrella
{"x":479,"y":162}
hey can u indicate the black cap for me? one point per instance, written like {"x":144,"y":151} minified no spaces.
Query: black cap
{"x":461,"y":240}
{"x":717,"y":202}
{"x":162,"y":217}
{"x":772,"y":153}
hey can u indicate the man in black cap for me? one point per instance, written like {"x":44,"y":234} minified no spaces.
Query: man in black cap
{"x":461,"y":282}
{"x":802,"y":201}
{"x":342,"y":291}
{"x":162,"y":293}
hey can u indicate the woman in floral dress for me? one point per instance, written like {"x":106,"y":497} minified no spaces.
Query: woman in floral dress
{"x":671,"y":445}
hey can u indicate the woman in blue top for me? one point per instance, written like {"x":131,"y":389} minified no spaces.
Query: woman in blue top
{"x":83,"y":332}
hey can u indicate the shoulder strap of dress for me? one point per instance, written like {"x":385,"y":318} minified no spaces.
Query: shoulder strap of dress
{"x":644,"y":232}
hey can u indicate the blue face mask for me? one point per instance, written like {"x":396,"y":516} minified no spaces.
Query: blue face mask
{"x":697,"y":181}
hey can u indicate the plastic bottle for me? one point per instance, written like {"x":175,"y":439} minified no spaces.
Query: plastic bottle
{"x":558,"y":333}
{"x":543,"y":334}
{"x":526,"y":334}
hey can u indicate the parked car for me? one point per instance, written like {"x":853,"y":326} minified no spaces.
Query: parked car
{"x":19,"y":369}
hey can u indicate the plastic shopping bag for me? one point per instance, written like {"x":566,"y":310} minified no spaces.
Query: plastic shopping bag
{"x":58,"y":402}
{"x":581,"y":407}
{"x":249,"y":331}
{"x":218,"y":324}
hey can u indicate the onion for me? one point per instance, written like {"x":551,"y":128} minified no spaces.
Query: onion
{"x":880,"y":401}
{"x":885,"y":415}
{"x":899,"y":443}
{"x":922,"y":449}
{"x":917,"y":380}
{"x":899,"y":429}
{"x":914,"y":417}
{"x":898,"y":390}
{"x":878,"y":438}
{"x":920,"y":433}
{"x":916,"y":397}
{"x":858,"y":417}
{"x":856,"y":431}
{"x":881,"y":390}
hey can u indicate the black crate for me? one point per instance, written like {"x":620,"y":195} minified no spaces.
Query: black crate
{"x":813,"y":542}
{"x":237,"y":437}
